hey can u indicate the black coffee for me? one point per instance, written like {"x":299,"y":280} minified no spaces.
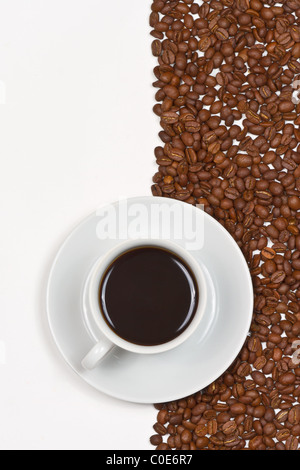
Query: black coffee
{"x":148,"y":296}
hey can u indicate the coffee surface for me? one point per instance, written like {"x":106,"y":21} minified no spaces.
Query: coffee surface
{"x":148,"y":296}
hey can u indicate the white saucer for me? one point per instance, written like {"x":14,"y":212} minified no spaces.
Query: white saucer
{"x":173,"y":374}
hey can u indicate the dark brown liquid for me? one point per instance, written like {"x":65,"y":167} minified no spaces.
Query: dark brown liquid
{"x":148,"y":296}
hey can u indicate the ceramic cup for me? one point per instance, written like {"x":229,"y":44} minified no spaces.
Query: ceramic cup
{"x":109,"y":339}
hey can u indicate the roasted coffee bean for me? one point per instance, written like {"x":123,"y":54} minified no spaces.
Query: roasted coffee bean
{"x":160,"y":429}
{"x":227,"y":82}
{"x":163,"y":416}
{"x":156,"y":439}
{"x":156,"y":48}
{"x":229,"y":428}
{"x":294,"y":415}
{"x":238,"y":409}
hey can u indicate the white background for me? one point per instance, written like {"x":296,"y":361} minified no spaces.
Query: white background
{"x":76,"y":129}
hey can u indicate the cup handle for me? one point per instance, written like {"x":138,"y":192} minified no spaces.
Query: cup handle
{"x":96,"y":354}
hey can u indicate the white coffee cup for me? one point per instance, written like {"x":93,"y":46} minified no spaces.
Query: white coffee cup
{"x":109,"y":339}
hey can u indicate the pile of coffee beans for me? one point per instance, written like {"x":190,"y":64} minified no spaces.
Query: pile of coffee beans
{"x":228,"y":73}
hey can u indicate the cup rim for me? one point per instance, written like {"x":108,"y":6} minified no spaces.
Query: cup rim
{"x":99,"y":269}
